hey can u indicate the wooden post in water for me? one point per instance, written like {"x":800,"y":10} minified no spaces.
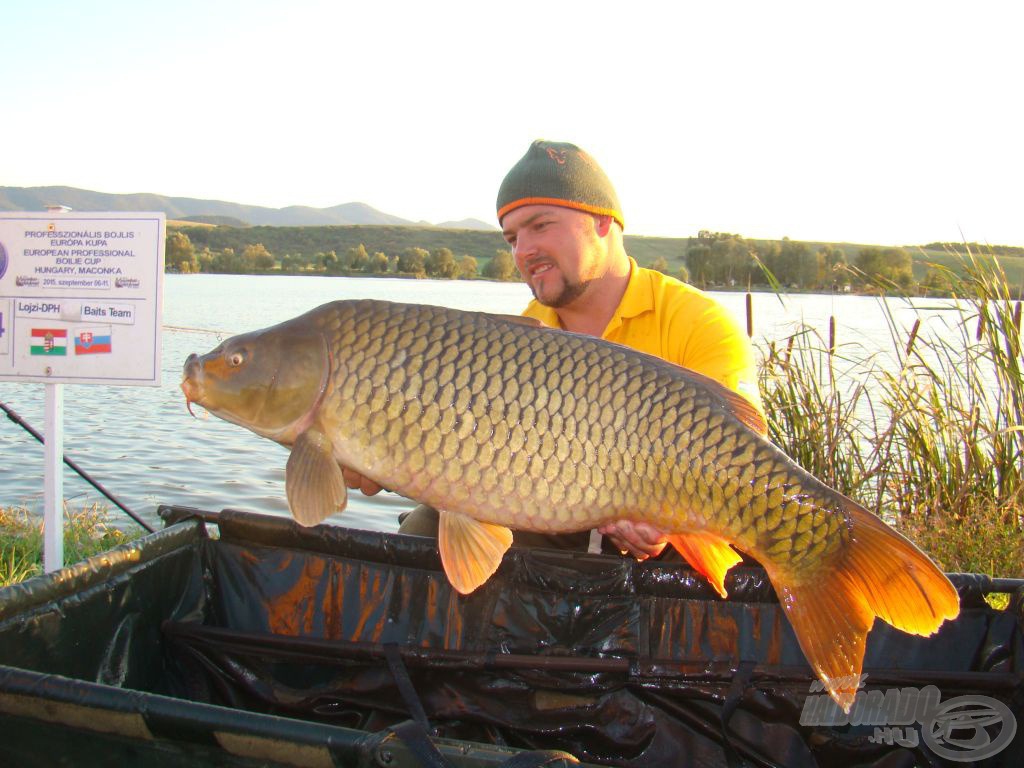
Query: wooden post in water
{"x":750,"y":315}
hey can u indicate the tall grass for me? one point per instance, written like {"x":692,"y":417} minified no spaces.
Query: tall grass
{"x":87,"y":532}
{"x":929,"y":433}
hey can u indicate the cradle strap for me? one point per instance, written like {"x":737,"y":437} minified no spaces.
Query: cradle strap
{"x":405,"y":686}
{"x":739,"y":685}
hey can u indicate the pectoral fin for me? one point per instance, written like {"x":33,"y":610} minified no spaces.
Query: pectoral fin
{"x":313,"y":481}
{"x":710,"y":555}
{"x":471,"y":551}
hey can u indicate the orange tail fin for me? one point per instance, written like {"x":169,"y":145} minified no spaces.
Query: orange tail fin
{"x":881,"y":574}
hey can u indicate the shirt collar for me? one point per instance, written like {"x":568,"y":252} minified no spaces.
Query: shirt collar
{"x":639,"y":295}
{"x":637,"y":299}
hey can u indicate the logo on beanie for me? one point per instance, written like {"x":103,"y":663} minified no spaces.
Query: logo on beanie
{"x":558,"y":155}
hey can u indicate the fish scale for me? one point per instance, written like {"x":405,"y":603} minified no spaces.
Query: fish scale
{"x":500,"y":424}
{"x":630,"y":459}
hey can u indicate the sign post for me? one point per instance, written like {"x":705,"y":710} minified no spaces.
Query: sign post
{"x":53,"y":480}
{"x":80,"y":303}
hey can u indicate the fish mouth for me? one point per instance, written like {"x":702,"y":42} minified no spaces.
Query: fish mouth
{"x":190,"y":385}
{"x":190,"y":390}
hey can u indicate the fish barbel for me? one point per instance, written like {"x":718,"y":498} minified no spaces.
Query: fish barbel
{"x":500,"y":424}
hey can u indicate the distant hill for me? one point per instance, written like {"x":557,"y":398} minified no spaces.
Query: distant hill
{"x":466,"y":224}
{"x":210,"y":211}
{"x":213,"y":221}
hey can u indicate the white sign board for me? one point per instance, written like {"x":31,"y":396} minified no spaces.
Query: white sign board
{"x":81,"y":297}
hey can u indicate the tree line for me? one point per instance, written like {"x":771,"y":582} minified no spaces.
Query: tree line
{"x":182,"y":255}
{"x":711,"y":260}
{"x":998,"y":250}
{"x":719,"y":259}
{"x":301,"y":245}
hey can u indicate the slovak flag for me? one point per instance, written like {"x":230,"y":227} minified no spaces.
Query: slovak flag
{"x":92,"y":341}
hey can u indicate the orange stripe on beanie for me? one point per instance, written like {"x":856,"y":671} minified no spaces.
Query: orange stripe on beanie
{"x":554,"y":173}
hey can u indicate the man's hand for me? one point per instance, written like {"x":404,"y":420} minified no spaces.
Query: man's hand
{"x":356,"y":481}
{"x":641,"y":540}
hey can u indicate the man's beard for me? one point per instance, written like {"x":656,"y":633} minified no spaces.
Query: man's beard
{"x":569,"y":293}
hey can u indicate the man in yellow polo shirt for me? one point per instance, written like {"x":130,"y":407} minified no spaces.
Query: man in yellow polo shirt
{"x":561,"y":216}
{"x":562,"y":219}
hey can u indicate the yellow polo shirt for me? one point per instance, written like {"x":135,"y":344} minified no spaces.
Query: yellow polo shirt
{"x":666,"y":317}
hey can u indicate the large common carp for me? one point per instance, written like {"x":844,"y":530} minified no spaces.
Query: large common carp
{"x":500,"y":424}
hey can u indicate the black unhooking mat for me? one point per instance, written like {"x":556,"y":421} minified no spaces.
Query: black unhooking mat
{"x":270,"y":644}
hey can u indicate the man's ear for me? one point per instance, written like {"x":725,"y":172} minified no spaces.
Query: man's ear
{"x":602,"y":224}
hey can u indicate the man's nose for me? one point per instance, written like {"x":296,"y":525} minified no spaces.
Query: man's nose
{"x":523,"y":248}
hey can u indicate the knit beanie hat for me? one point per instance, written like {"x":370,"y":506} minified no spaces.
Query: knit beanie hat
{"x":553,"y":173}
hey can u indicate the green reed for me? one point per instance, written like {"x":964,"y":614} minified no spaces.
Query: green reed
{"x":928,"y":433}
{"x":812,"y":418}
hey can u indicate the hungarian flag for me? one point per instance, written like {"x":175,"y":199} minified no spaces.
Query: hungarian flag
{"x":49,"y":341}
{"x":92,"y":341}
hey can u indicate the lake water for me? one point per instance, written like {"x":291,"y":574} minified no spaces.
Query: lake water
{"x":143,"y":446}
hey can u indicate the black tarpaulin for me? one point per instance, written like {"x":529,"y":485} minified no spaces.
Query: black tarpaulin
{"x":616,"y":662}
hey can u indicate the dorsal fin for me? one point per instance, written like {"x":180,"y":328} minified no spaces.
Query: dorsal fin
{"x":738,"y":405}
{"x":745,"y":411}
{"x":531,"y":322}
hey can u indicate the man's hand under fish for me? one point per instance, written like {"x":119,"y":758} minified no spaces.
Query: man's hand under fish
{"x":631,"y":538}
{"x":358,"y":482}
{"x":637,"y":538}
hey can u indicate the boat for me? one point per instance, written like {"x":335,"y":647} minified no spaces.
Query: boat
{"x":237,"y":639}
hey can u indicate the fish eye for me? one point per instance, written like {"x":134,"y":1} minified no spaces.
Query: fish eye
{"x":236,"y":358}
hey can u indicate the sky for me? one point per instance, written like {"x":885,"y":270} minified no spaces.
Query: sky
{"x":894,"y":123}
